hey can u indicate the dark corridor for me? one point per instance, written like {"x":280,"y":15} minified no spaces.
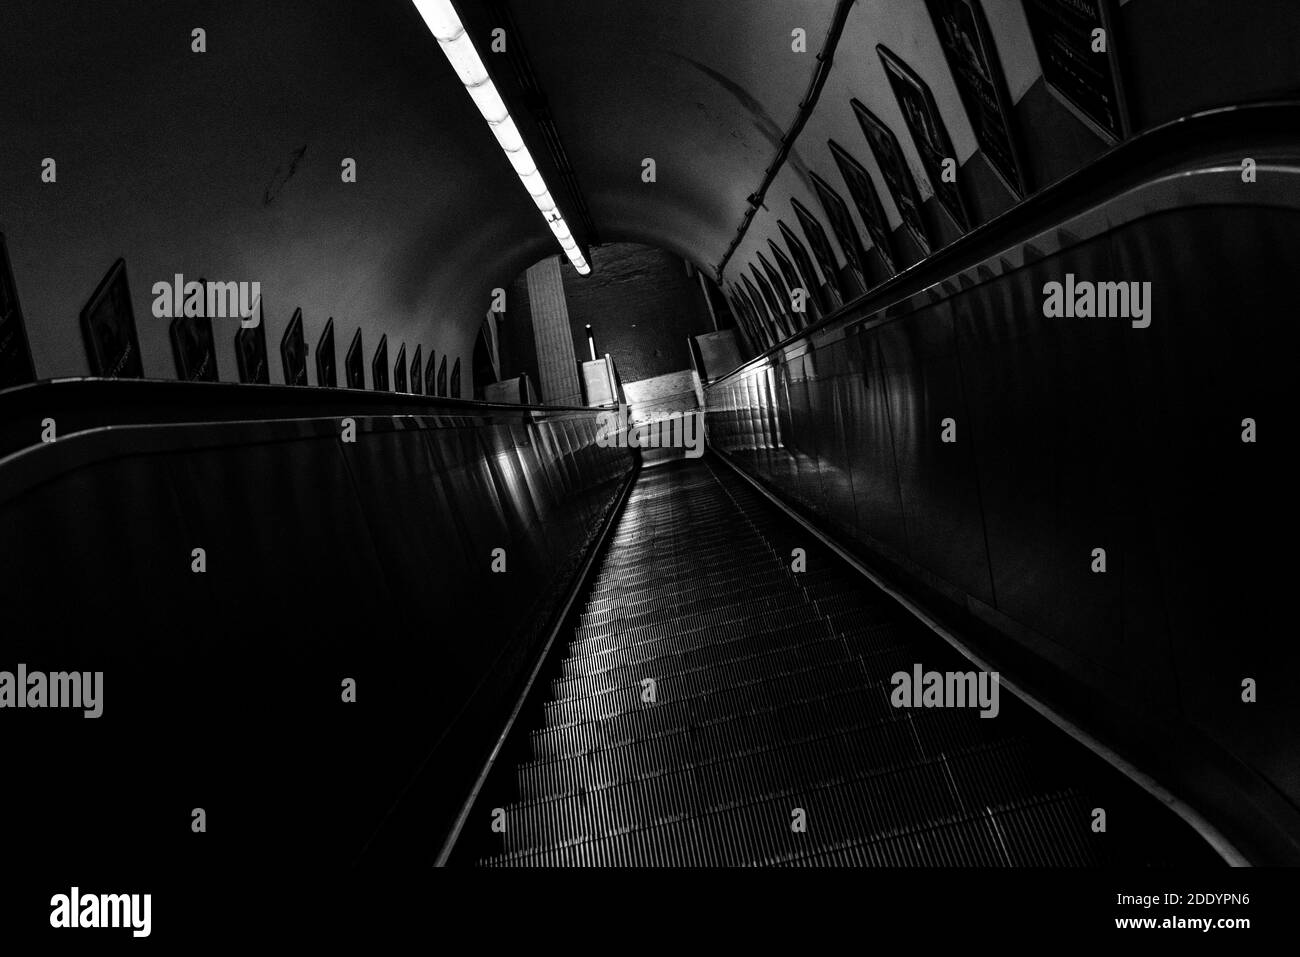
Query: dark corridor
{"x":444,"y":438}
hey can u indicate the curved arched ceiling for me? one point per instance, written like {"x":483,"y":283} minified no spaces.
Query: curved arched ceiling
{"x":226,"y":164}
{"x":706,"y":90}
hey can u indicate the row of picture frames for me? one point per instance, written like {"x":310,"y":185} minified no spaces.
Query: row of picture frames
{"x":113,"y":348}
{"x":1088,"y":83}
{"x":194,"y":350}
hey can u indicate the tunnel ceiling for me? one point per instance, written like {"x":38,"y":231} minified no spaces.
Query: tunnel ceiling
{"x":705,"y":90}
{"x":226,"y":164}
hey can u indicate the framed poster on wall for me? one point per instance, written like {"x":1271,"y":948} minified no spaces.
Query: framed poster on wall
{"x":250,"y":351}
{"x":865,"y":197}
{"x":354,"y":364}
{"x":193,"y":347}
{"x":753,"y":329}
{"x":293,"y":352}
{"x":804,"y":263}
{"x":893,"y":167}
{"x":792,"y":279}
{"x":417,"y":375}
{"x":921,"y":114}
{"x":837,"y":211}
{"x":744,"y":322}
{"x":1089,"y":83}
{"x":379,"y":366}
{"x":977,"y":71}
{"x":821,"y":247}
{"x":778,"y":287}
{"x":16,"y":366}
{"x":399,"y":370}
{"x":108,"y":328}
{"x":771,"y":300}
{"x":431,"y":375}
{"x":326,"y":373}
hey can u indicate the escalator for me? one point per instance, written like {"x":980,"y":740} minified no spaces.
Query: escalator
{"x":702,"y":701}
{"x":714,"y":707}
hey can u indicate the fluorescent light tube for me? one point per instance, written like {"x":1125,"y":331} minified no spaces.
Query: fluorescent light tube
{"x":445,"y":24}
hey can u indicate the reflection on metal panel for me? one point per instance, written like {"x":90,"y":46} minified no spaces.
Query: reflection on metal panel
{"x":1070,"y":435}
{"x":422,"y":559}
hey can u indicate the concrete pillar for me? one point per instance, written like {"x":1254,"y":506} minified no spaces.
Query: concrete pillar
{"x":556,"y":365}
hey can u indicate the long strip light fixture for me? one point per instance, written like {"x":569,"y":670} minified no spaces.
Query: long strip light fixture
{"x":445,"y":25}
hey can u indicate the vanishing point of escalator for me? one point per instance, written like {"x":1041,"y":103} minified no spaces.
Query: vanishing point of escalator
{"x":717,"y":708}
